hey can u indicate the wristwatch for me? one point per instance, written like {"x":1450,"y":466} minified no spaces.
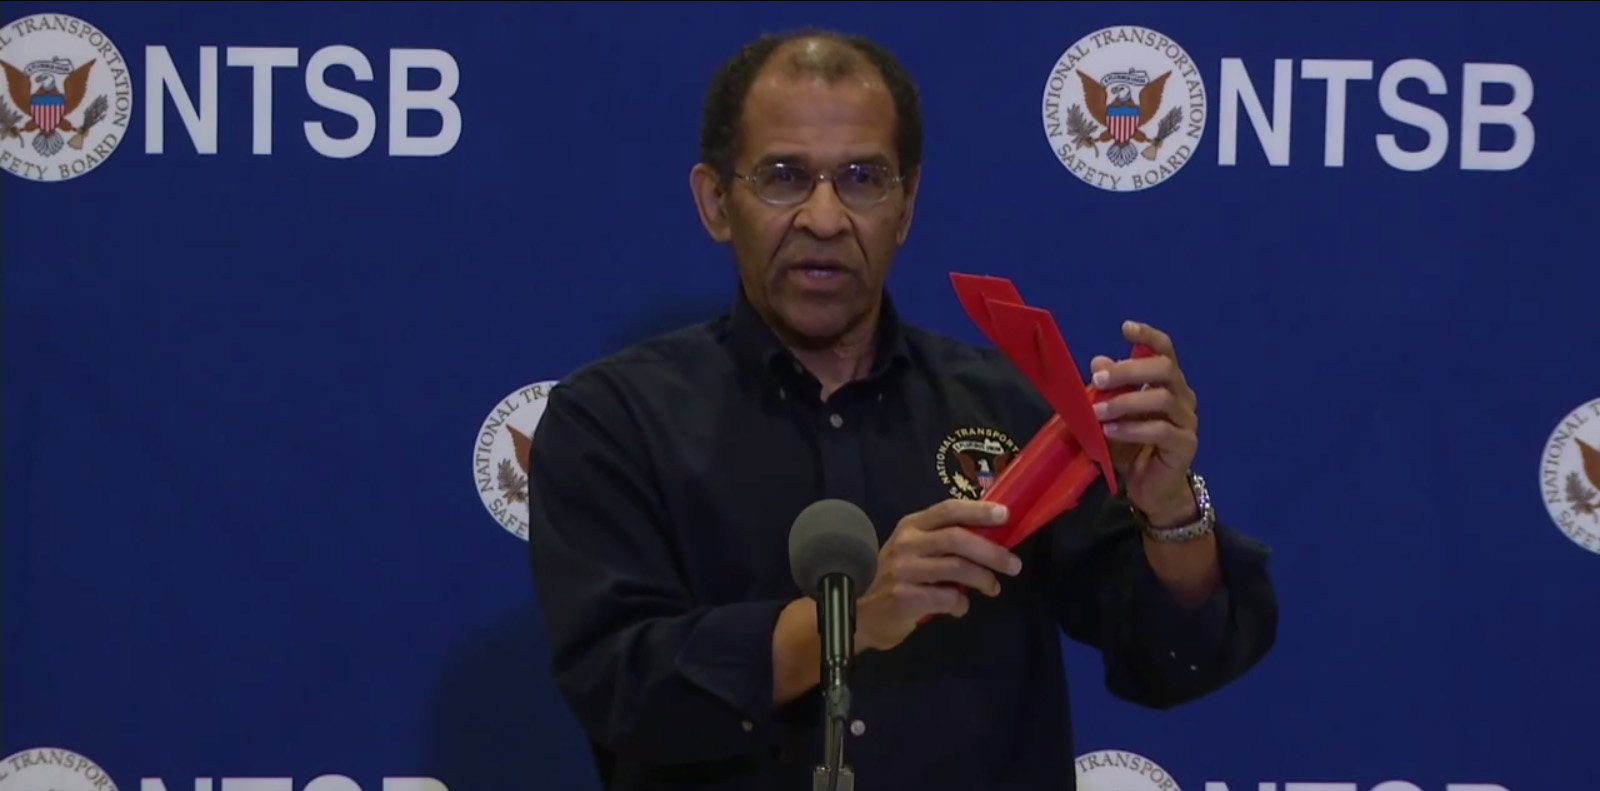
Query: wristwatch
{"x":1205,"y":524}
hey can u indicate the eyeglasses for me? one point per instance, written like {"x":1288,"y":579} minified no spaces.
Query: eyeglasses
{"x":857,"y":185}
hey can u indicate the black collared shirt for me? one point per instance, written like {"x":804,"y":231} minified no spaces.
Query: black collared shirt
{"x":663,"y":483}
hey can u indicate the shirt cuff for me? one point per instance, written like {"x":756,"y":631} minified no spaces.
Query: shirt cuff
{"x":1187,"y":637}
{"x":729,"y":654}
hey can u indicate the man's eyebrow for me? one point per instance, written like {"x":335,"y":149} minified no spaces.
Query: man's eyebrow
{"x":871,"y":159}
{"x":789,"y":158}
{"x":780,"y":159}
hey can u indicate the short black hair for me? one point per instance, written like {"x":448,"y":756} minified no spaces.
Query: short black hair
{"x":730,"y":85}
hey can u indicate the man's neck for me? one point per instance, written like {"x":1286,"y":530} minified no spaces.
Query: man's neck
{"x":843,"y":362}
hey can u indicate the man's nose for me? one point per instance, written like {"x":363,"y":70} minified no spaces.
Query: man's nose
{"x":823,"y":214}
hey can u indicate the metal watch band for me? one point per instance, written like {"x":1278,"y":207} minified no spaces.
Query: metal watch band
{"x":1195,"y":529}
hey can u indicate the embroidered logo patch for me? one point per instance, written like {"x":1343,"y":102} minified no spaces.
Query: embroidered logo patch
{"x":970,"y":459}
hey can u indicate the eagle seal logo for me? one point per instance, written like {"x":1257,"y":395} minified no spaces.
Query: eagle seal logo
{"x":1124,"y":109}
{"x":67,"y":101}
{"x":969,"y":460}
{"x":52,"y":769}
{"x":500,"y":455}
{"x":1569,"y":475}
{"x":1120,"y":770}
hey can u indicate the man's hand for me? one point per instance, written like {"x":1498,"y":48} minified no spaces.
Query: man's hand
{"x":1153,"y":434}
{"x":926,"y":568}
{"x":1152,"y":431}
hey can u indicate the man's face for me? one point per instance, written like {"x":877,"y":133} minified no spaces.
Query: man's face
{"x":816,"y":267}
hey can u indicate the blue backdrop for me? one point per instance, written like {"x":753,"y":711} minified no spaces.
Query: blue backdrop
{"x":275,"y":319}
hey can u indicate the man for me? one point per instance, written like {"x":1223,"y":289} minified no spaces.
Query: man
{"x":665,"y":478}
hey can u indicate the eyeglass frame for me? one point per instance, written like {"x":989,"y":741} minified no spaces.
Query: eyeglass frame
{"x":893,"y":180}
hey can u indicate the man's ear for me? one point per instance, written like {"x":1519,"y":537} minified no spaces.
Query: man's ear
{"x":709,"y":201}
{"x":912,"y":182}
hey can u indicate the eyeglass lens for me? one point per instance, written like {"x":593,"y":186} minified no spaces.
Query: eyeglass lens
{"x":858,"y":184}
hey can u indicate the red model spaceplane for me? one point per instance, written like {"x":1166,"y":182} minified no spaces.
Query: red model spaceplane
{"x":1059,"y":463}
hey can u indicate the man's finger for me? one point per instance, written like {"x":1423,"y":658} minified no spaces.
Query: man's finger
{"x":958,"y":512}
{"x":1127,"y":456}
{"x":940,"y":600}
{"x":1153,"y":402}
{"x":1142,"y":371}
{"x":1158,"y":341}
{"x":949,"y":569}
{"x":976,"y":548}
{"x":1161,"y":433}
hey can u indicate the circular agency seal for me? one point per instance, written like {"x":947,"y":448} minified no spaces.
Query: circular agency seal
{"x":1120,"y":770}
{"x":67,"y":99}
{"x":970,"y":459}
{"x":1124,"y":109}
{"x":52,"y":769}
{"x":500,"y":455}
{"x":1569,"y":475}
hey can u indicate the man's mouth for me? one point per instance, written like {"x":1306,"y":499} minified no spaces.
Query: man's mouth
{"x":819,"y":269}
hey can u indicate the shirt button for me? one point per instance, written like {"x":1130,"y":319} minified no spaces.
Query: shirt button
{"x":858,"y":727}
{"x":748,"y":726}
{"x":836,"y":420}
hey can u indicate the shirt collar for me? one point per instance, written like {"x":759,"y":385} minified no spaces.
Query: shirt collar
{"x":756,"y":345}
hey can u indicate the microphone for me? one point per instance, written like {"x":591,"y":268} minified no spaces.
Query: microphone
{"x":833,"y":556}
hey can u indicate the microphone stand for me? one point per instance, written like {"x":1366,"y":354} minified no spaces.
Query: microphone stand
{"x":838,"y":645}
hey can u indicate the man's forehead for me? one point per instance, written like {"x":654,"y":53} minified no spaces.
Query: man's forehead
{"x":809,"y":94}
{"x":852,"y":117}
